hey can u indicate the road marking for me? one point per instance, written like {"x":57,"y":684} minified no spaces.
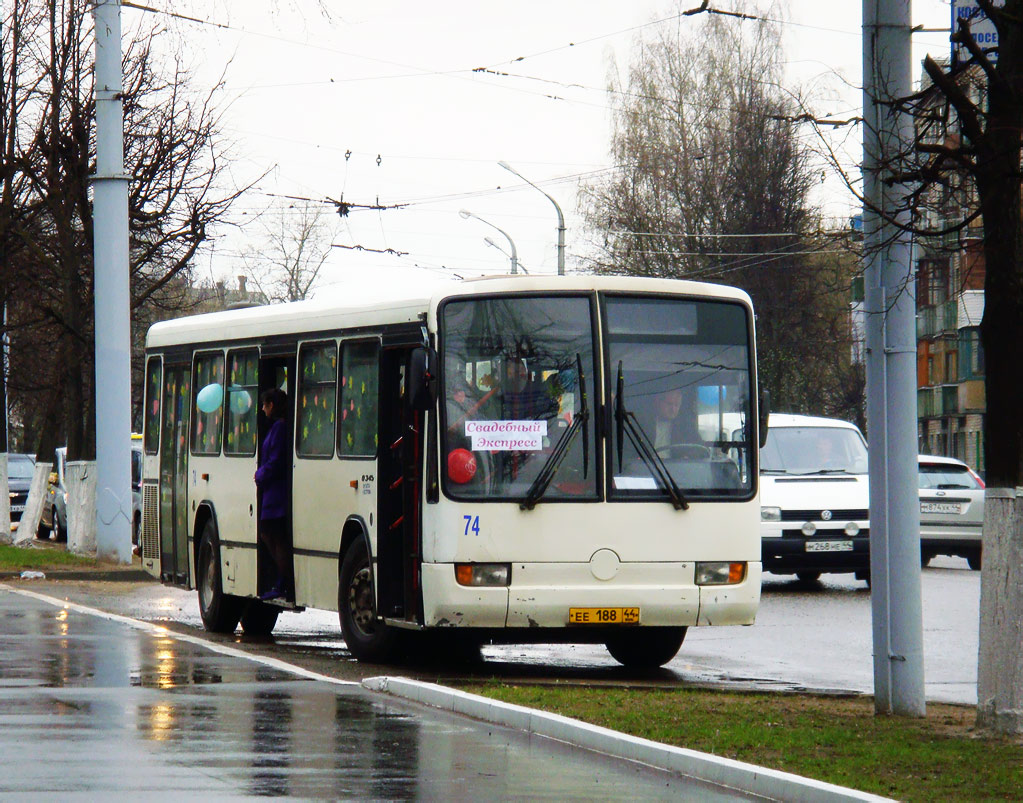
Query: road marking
{"x":160,"y":630}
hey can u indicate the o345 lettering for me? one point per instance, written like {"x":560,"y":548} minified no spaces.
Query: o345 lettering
{"x":472,"y":525}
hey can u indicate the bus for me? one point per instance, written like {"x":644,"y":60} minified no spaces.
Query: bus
{"x":473,"y":461}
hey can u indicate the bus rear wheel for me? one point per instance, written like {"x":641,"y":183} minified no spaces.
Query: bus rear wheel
{"x":368,"y":638}
{"x":646,"y":647}
{"x":220,"y":612}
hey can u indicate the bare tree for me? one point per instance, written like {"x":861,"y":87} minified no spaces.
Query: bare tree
{"x":296,"y":241}
{"x":178,"y":189}
{"x":962,"y":167}
{"x":980,"y":156}
{"x":713,"y":183}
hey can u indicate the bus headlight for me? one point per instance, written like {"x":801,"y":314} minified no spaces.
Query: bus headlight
{"x":720,"y":573}
{"x":483,"y":574}
{"x":770,"y":514}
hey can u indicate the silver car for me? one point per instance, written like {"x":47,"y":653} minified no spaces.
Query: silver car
{"x":951,"y":509}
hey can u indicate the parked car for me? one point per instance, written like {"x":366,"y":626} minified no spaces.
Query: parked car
{"x":20,"y":468}
{"x":951,"y":509}
{"x":53,"y":520}
{"x":54,"y":516}
{"x":814,"y":498}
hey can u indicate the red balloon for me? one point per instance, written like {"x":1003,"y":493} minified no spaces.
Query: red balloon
{"x":461,"y":465}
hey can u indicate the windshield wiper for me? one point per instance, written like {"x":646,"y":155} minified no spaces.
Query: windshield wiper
{"x":550,"y":467}
{"x":825,"y":471}
{"x":626,"y":424}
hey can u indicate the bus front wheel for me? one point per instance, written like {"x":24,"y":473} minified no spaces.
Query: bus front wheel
{"x":646,"y":648}
{"x":368,"y":638}
{"x":220,"y":612}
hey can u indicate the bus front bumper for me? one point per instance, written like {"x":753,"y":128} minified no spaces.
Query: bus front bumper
{"x":542,"y":595}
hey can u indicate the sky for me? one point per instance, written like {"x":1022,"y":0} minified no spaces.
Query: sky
{"x":379,"y":104}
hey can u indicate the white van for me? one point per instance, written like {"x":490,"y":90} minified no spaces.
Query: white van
{"x":814,"y":498}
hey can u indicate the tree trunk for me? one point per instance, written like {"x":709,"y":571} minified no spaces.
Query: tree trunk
{"x":1000,"y":669}
{"x":1000,"y":660}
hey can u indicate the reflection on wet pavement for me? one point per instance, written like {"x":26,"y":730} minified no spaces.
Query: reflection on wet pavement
{"x":91,"y":706}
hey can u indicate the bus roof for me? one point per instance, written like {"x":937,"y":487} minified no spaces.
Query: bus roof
{"x":389,"y":302}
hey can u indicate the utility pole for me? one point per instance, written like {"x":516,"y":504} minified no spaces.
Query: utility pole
{"x":891,"y":368}
{"x":113,"y":337}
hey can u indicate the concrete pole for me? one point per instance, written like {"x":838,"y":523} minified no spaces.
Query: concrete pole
{"x":891,"y":370}
{"x":113,"y":336}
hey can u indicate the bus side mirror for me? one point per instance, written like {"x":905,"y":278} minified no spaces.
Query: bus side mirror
{"x":422,"y":378}
{"x":765,"y":411}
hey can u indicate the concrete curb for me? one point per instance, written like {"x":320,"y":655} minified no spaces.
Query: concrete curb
{"x":748,"y":778}
{"x":107,"y":575}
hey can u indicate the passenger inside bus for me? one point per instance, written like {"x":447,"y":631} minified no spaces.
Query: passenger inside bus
{"x":274,"y":497}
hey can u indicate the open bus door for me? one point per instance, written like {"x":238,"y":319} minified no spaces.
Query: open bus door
{"x":399,"y":501}
{"x":276,"y":370}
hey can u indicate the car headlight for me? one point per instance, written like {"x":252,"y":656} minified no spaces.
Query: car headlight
{"x":770,"y":514}
{"x":720,"y":573}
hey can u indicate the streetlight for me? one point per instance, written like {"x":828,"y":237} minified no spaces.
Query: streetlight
{"x":465,"y":214}
{"x":561,"y":217}
{"x":492,"y":244}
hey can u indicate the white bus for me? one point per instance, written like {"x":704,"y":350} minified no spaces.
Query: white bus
{"x":479,"y":461}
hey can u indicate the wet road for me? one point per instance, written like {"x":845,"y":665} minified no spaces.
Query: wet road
{"x":815,"y":637}
{"x":92,"y":706}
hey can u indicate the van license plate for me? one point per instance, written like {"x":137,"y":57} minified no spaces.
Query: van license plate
{"x":829,"y":546}
{"x":603,"y":616}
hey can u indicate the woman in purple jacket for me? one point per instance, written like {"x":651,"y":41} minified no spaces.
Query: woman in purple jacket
{"x":272,"y":484}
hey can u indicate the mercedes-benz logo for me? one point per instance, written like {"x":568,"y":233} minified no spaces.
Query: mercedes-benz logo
{"x":826,"y":515}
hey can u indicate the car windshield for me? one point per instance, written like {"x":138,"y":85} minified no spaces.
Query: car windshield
{"x":511,"y":394}
{"x":944,"y":476}
{"x":680,"y":384}
{"x":813,"y":450}
{"x":20,"y":467}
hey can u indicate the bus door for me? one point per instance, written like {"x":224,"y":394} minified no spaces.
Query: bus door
{"x":174,"y":516}
{"x":276,"y":370}
{"x":400,"y":491}
{"x":231,"y":479}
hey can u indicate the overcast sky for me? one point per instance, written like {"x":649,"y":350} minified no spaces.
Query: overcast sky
{"x":379,"y":103}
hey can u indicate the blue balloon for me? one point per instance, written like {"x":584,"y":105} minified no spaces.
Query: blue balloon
{"x":241,"y":401}
{"x":209,"y":399}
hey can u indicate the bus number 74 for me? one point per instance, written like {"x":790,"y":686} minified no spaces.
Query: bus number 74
{"x":472,"y":524}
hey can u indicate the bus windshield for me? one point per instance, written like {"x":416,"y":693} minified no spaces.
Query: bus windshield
{"x":680,"y":379}
{"x":518,"y":371}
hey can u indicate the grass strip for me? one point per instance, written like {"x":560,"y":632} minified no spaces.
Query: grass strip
{"x":16,"y":559}
{"x":834,"y":739}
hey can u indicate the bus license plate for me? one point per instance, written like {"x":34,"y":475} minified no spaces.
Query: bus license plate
{"x":603,"y":616}
{"x":17,"y":508}
{"x":829,"y":546}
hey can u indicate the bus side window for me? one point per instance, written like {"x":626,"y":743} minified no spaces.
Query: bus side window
{"x":207,"y":401}
{"x":358,"y":399}
{"x":154,"y":379}
{"x":242,"y":402}
{"x":317,"y":388}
